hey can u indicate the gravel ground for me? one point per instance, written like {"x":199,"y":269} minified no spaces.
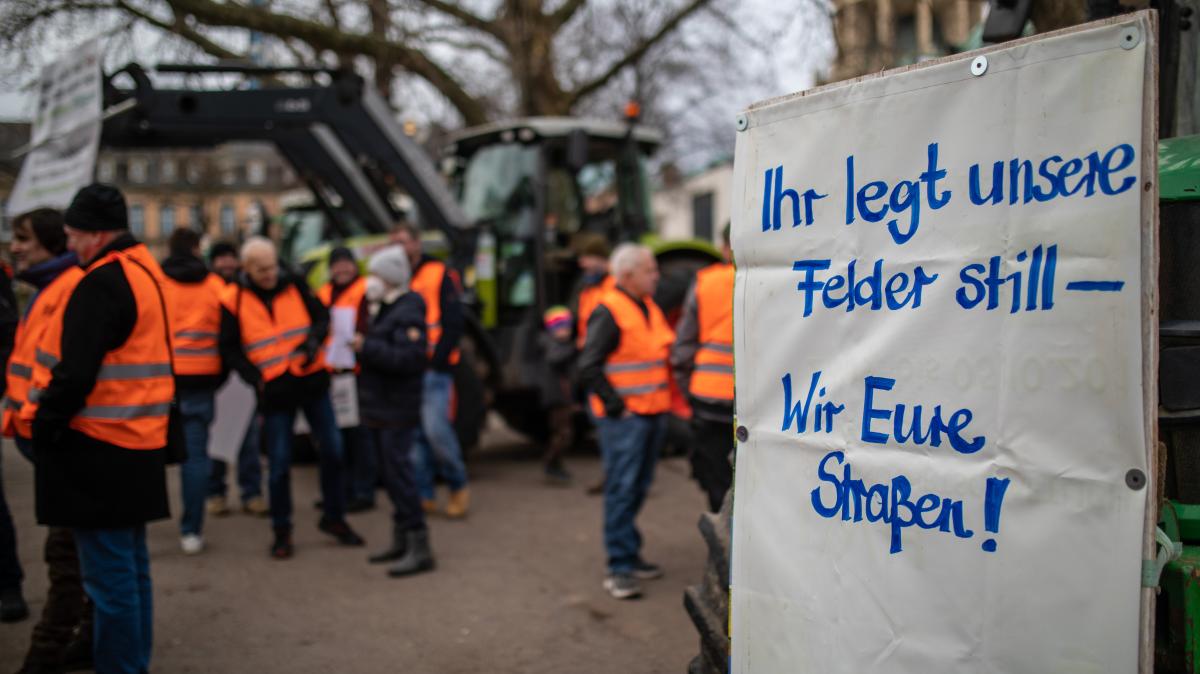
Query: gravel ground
{"x":517,"y":588}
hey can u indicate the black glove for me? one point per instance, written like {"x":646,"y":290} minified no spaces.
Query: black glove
{"x":47,"y":434}
{"x":308,"y":352}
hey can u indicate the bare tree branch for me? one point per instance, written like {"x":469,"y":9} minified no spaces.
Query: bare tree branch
{"x":634,"y":55}
{"x":564,"y":13}
{"x":468,"y":18}
{"x":179,"y":27}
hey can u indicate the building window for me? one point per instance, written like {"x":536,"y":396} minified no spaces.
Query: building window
{"x":702,"y":216}
{"x":166,"y":220}
{"x":256,"y":172}
{"x":106,"y":171}
{"x":137,"y":220}
{"x":196,"y":218}
{"x":228,"y":175}
{"x":195,"y":171}
{"x":137,"y":170}
{"x":168,"y":172}
{"x":227,"y":219}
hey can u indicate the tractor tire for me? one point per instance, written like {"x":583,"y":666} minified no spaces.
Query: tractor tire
{"x":707,"y":603}
{"x":470,"y":406}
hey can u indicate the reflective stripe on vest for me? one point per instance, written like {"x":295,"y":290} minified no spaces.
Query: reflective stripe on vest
{"x":712,"y":374}
{"x":195,"y":310}
{"x":427,"y":283}
{"x":589,"y":297}
{"x":129,"y":404}
{"x":271,"y":338}
{"x":47,"y":308}
{"x":637,"y":369}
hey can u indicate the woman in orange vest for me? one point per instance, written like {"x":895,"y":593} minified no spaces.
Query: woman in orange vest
{"x":272,"y":330}
{"x":100,"y":398}
{"x":702,"y":362}
{"x":343,"y":294}
{"x":624,"y":366}
{"x":193,"y":299}
{"x":41,"y":260}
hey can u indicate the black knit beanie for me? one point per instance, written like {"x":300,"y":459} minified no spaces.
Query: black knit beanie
{"x":97,"y":208}
{"x":341,"y":253}
{"x":221,"y":248}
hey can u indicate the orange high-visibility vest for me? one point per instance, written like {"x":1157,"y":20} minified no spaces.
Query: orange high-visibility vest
{"x":47,"y":308}
{"x":428,"y":284}
{"x":131,"y":399}
{"x":712,"y":374}
{"x":271,"y":338}
{"x":195,"y":324}
{"x":589,"y":297}
{"x":637,"y":368}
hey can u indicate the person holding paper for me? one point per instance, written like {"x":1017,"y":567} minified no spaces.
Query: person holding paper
{"x":194,"y":307}
{"x":624,"y":367}
{"x":343,"y":296}
{"x":392,"y":356}
{"x":272,"y":329}
{"x":702,"y":362}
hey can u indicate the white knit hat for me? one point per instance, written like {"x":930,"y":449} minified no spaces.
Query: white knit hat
{"x":391,"y":266}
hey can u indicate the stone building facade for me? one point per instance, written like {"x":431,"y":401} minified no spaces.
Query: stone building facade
{"x":873,"y":35}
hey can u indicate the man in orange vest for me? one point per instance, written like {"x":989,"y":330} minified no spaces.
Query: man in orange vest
{"x":343,"y":296}
{"x":194,"y":305}
{"x":594,"y":281}
{"x":702,"y":362}
{"x":435,"y":446}
{"x":624,"y":367}
{"x":272,"y":330}
{"x":100,"y":397}
{"x":62,"y":638}
{"x":223,"y":261}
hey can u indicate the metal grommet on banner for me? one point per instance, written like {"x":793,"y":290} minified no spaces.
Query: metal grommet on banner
{"x":979,"y":66}
{"x":1135,"y":479}
{"x":742,"y":122}
{"x":742,"y":434}
{"x":1131,"y":37}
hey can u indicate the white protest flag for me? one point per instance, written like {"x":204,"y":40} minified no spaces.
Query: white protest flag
{"x":944,"y":275}
{"x":65,"y":135}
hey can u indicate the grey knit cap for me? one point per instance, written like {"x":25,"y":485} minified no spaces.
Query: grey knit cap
{"x":391,"y":265}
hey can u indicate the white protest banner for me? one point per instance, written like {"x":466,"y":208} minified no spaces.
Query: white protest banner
{"x":65,"y":135}
{"x":343,"y":393}
{"x":945,"y":362}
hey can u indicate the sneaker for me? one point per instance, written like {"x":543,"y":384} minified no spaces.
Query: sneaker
{"x":644,"y":570}
{"x":12,"y":606}
{"x":257,"y":506}
{"x":360,"y":505}
{"x":623,"y":586}
{"x":557,"y":476}
{"x":429,"y":506}
{"x":341,"y":531}
{"x":282,"y":547}
{"x":458,"y":504}
{"x":216,"y":506}
{"x":192,"y":544}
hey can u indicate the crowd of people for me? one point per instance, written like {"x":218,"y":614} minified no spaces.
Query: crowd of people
{"x":115,"y":363}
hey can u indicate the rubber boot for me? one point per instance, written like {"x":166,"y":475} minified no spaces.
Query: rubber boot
{"x":394,"y":551}
{"x":417,"y":556}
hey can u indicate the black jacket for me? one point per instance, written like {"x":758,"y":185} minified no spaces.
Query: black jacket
{"x":288,"y":391}
{"x":603,"y":337}
{"x":9,"y":318}
{"x":189,"y":270}
{"x":81,"y":481}
{"x":452,"y":320}
{"x":559,"y":371}
{"x":392,"y":362}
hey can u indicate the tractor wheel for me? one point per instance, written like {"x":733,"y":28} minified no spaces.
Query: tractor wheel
{"x":470,"y":407}
{"x":707,"y":603}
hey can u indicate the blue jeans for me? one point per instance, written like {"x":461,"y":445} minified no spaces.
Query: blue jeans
{"x":11,"y":574}
{"x":249,"y":466}
{"x":629,"y":447}
{"x":197,"y":408}
{"x":362,"y":463}
{"x":277,"y":432}
{"x":435,"y":448}
{"x":116,"y":575}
